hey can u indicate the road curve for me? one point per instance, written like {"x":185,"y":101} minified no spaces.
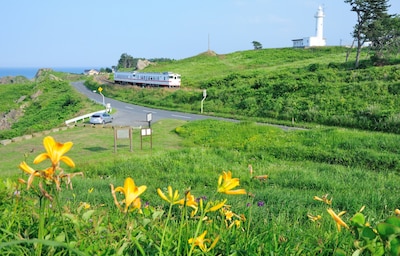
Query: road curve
{"x":133,"y":115}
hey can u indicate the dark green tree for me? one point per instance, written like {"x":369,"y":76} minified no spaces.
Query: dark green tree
{"x":368,"y":12}
{"x":385,"y":38}
{"x":257,"y":45}
{"x":126,"y":61}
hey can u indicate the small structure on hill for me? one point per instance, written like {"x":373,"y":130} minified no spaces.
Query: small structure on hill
{"x":318,"y":39}
{"x":91,"y":72}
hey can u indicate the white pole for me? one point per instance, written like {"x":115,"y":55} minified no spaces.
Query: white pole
{"x":103,"y":99}
{"x":204,"y":97}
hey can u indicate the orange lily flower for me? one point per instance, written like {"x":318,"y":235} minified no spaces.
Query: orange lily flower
{"x":55,"y":152}
{"x":226,"y":183}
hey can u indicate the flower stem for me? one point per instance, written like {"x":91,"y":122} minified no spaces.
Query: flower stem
{"x":165,"y":229}
{"x":203,"y":214}
{"x":62,"y":219}
{"x":181,"y":227}
{"x":42,"y":202}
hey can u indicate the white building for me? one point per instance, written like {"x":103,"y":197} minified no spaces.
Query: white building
{"x":318,"y":39}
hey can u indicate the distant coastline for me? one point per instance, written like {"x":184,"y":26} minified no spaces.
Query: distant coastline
{"x":31,"y":72}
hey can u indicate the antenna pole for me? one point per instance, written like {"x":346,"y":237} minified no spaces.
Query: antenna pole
{"x":208,"y":41}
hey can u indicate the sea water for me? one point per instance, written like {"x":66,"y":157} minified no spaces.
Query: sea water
{"x":31,"y":72}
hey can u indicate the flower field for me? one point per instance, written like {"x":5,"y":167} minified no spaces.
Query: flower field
{"x":207,"y":188}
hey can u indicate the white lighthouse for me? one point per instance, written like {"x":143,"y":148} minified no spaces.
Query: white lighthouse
{"x":319,"y":28}
{"x":318,"y":39}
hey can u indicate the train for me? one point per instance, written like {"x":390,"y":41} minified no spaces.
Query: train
{"x":164,"y":79}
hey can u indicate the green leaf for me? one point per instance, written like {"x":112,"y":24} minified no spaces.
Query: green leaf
{"x":395,"y":246}
{"x":368,"y":234}
{"x":358,"y":220}
{"x":72,"y":217}
{"x":87,"y":215}
{"x":395,"y":221}
{"x":60,"y":237}
{"x":386,"y":230}
{"x":339,"y":252}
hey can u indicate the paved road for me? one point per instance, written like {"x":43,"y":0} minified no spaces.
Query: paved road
{"x":134,"y":115}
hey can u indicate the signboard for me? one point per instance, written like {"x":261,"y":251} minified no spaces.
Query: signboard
{"x":122,"y":133}
{"x":146,"y":132}
{"x":149,"y":117}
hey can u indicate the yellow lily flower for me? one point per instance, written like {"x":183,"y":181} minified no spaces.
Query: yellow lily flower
{"x":131,"y":192}
{"x":189,"y":200}
{"x":324,"y":199}
{"x":226,"y":183}
{"x":237,"y":223}
{"x":29,"y":170}
{"x":314,"y":218}
{"x":55,"y":152}
{"x":200,"y":241}
{"x":172,"y":196}
{"x":228,"y":215}
{"x":339,"y":222}
{"x":214,"y":206}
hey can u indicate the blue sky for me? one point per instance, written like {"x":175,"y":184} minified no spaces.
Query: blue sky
{"x":84,"y":33}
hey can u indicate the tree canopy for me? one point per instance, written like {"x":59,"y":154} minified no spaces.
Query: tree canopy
{"x":385,"y":38}
{"x":126,"y":61}
{"x":257,"y":45}
{"x":371,"y":16}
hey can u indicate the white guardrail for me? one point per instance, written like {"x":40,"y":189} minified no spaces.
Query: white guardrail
{"x":79,"y":118}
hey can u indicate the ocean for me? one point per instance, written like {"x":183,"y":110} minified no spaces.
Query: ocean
{"x":31,"y":72}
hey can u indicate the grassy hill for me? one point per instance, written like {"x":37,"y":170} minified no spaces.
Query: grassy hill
{"x":40,"y":105}
{"x":348,"y":170}
{"x":287,"y":85}
{"x":200,"y":68}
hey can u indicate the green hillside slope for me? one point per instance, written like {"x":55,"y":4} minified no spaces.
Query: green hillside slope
{"x":41,"y":105}
{"x":288,"y":85}
{"x":212,"y":65}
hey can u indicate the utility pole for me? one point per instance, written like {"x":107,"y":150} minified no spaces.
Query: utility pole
{"x":209,"y":42}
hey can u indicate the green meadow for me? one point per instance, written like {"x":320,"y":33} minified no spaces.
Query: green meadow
{"x":323,"y":190}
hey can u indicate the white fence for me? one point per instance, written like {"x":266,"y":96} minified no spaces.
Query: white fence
{"x":82,"y":118}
